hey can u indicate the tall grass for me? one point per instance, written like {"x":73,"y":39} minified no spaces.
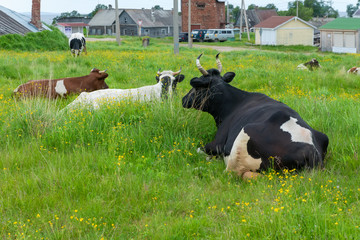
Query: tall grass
{"x":131,"y":170}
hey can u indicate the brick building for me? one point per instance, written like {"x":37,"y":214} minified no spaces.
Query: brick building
{"x":205,"y":14}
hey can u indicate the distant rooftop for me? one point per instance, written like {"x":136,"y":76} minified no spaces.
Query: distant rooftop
{"x":12,"y":22}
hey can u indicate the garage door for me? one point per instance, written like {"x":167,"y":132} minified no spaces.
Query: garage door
{"x":349,"y":40}
{"x":338,"y":39}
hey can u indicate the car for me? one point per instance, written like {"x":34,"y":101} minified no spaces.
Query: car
{"x":183,"y":37}
{"x":216,"y":35}
{"x":198,"y":35}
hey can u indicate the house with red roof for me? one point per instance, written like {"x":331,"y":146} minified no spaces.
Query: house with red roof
{"x":69,"y":25}
{"x":284,"y":30}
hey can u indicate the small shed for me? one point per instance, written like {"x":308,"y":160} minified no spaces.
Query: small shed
{"x":341,"y":36}
{"x":284,"y":30}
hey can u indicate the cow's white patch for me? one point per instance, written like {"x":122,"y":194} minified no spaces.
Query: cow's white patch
{"x":60,"y":88}
{"x":298,"y":133}
{"x":239,"y":159}
{"x":16,"y":89}
{"x":302,"y":67}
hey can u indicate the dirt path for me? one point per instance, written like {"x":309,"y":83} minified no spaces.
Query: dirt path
{"x":221,"y":48}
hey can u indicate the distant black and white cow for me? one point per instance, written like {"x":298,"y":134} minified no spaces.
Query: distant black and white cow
{"x":167,"y":82}
{"x":77,"y":44}
{"x":310,"y":65}
{"x":255,"y":132}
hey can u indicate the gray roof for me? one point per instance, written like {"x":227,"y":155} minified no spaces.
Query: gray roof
{"x":151,"y":18}
{"x":12,"y":22}
{"x":356,"y":14}
{"x":104,"y":17}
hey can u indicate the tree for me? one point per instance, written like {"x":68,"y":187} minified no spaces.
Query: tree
{"x":351,"y":9}
{"x":252,"y":6}
{"x":74,"y":13}
{"x":157,"y":7}
{"x":97,"y":8}
{"x":304,"y":12}
{"x":321,"y":8}
{"x":271,"y":6}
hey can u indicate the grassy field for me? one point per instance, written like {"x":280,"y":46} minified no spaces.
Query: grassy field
{"x":131,"y":170}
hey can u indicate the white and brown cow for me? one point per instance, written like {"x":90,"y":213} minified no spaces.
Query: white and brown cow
{"x":77,"y":44}
{"x":354,"y":70}
{"x":63,"y":86}
{"x":166,"y":86}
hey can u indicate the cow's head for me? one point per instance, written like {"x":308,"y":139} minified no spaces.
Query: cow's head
{"x":313,"y":64}
{"x":208,"y":90}
{"x":99,"y":78}
{"x":169,"y":81}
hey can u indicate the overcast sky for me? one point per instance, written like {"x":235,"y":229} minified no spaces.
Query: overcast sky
{"x":87,"y":6}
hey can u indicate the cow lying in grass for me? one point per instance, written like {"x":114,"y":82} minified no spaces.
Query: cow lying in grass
{"x":354,"y":70}
{"x":311,"y":65}
{"x":63,"y":86}
{"x":167,"y":82}
{"x":254,"y":131}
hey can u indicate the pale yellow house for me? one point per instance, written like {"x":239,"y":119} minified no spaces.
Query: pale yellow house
{"x":284,"y":30}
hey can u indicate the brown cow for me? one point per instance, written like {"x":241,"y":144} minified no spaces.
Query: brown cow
{"x":354,"y":70}
{"x":63,"y":86}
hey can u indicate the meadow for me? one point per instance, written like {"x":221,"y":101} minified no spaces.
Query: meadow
{"x":131,"y":169}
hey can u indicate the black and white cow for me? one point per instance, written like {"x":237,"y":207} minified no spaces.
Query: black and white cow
{"x":310,"y":65}
{"x":77,"y":44}
{"x":255,"y":132}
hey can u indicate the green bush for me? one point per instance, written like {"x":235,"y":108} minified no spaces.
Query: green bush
{"x":45,"y":40}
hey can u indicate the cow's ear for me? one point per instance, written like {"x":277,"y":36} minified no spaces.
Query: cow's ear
{"x":199,"y":82}
{"x":179,"y":78}
{"x":157,"y":78}
{"x":228,"y":77}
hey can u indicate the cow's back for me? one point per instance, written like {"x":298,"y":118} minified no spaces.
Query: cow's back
{"x":282,"y":140}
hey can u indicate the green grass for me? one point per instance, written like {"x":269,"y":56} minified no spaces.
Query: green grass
{"x":131,"y":170}
{"x":40,"y":41}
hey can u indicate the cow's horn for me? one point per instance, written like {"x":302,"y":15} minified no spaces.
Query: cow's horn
{"x":178,"y":72}
{"x":218,"y":63}
{"x":158,"y":72}
{"x":201,"y":69}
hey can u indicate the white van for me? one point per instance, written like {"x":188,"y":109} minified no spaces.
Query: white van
{"x":219,"y":35}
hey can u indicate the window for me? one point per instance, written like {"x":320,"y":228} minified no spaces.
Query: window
{"x":200,"y":5}
{"x":163,"y":31}
{"x":125,"y":20}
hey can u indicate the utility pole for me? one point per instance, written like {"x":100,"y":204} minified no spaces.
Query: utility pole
{"x":243,"y":14}
{"x":297,"y":8}
{"x":117,"y":22}
{"x":227,"y":13}
{"x":189,"y":26}
{"x":176,"y":27}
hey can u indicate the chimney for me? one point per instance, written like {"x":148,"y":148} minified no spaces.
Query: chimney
{"x":153,"y":15}
{"x":35,"y":14}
